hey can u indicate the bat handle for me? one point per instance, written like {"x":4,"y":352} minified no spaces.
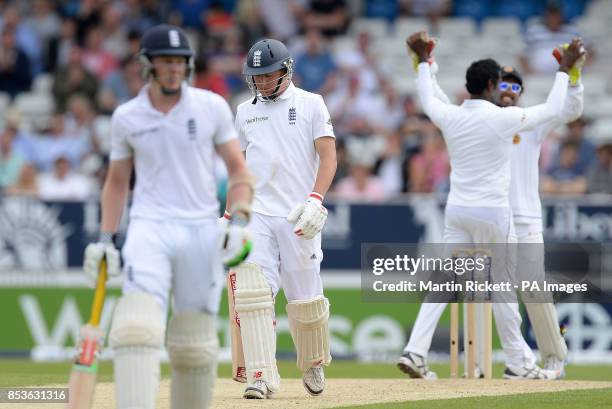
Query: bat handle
{"x":99,"y":295}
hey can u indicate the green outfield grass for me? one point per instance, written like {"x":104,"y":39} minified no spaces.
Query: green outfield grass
{"x":24,"y":372}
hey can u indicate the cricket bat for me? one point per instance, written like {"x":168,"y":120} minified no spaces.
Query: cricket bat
{"x":238,"y":365}
{"x":83,"y":376}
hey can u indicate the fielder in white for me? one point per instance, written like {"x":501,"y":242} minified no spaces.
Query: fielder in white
{"x":169,"y":134}
{"x":289,"y":142}
{"x":479,"y":137}
{"x":527,"y":210}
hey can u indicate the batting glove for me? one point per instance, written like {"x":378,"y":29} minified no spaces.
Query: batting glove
{"x":94,"y":252}
{"x":575,"y":73}
{"x":236,"y":242}
{"x":309,"y":217}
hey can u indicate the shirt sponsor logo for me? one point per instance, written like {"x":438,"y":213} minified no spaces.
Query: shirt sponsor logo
{"x":257,"y":58}
{"x":292,"y":116}
{"x":144,"y":131}
{"x":256,"y":119}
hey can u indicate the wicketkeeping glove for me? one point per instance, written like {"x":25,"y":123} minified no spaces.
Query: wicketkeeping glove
{"x":575,"y":73}
{"x":94,"y":252}
{"x":433,"y":65}
{"x":309,"y":217}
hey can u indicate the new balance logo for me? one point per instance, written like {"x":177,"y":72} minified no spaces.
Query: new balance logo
{"x":257,"y":58}
{"x":292,"y":116}
{"x":313,"y":257}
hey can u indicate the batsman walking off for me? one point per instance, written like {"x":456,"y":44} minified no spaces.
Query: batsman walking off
{"x":289,"y":142}
{"x":480,"y":136}
{"x":169,"y":133}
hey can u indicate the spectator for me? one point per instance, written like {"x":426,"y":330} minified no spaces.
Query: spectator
{"x":44,"y":21}
{"x":189,"y":13}
{"x":217,"y":21}
{"x":114,"y":32}
{"x":27,"y":184}
{"x":315,"y":68}
{"x":72,"y":79}
{"x":96,"y":58}
{"x":390,"y":166}
{"x":281,"y":17}
{"x":542,"y":38}
{"x":62,"y":184}
{"x":363,"y":62}
{"x":229,"y":60}
{"x":133,"y":43}
{"x":58,"y":49}
{"x":56,"y":142}
{"x":429,"y":169}
{"x":432,"y":9}
{"x":331,"y":17}
{"x":11,"y":161}
{"x":79,"y":117}
{"x":206,"y":78}
{"x":120,"y":86}
{"x":250,"y":21}
{"x":599,"y":178}
{"x":565,"y":178}
{"x":586,"y":150}
{"x":15,"y":73}
{"x":25,"y":38}
{"x":361,"y":184}
{"x":138,"y":16}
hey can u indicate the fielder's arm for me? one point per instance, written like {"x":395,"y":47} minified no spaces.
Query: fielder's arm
{"x":114,"y":193}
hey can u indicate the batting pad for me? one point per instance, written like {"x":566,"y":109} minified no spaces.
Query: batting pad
{"x":308,"y":322}
{"x":543,"y":317}
{"x":192,"y":346}
{"x":255,"y":308}
{"x":136,"y":336}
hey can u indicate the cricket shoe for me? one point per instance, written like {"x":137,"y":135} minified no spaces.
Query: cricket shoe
{"x":553,"y":363}
{"x":259,"y":390}
{"x":535,"y":372}
{"x":313,"y":380}
{"x":415,"y":366}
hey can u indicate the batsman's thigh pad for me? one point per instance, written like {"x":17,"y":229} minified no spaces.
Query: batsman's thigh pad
{"x":308,"y":322}
{"x":192,"y":345}
{"x":136,"y":335}
{"x":543,"y":317}
{"x":255,"y":308}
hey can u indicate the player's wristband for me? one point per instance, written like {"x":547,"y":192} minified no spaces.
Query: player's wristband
{"x":317,"y":196}
{"x":107,"y":237}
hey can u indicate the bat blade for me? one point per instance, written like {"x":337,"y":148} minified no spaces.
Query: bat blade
{"x":238,"y":365}
{"x":82,"y":382}
{"x":84,"y":371}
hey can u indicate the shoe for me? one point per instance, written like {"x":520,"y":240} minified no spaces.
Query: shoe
{"x":535,"y":372}
{"x":415,"y":366}
{"x":259,"y":390}
{"x":314,"y":380}
{"x":553,"y":363}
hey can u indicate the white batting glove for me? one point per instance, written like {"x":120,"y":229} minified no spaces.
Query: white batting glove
{"x":309,"y":217}
{"x":94,"y":252}
{"x":236,"y":242}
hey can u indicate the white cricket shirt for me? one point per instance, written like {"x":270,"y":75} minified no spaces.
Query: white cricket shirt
{"x":173,"y":153}
{"x":478,"y":137}
{"x":278,"y":138}
{"x":524,"y":163}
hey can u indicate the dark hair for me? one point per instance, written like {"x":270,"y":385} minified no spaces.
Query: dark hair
{"x":570,"y":145}
{"x":478,"y":75}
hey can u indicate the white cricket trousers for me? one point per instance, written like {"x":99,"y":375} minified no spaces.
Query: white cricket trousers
{"x":287,"y":260}
{"x":477,"y":225}
{"x":184,"y":257}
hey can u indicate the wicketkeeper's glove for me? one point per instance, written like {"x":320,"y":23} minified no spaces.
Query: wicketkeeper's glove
{"x":575,"y":73}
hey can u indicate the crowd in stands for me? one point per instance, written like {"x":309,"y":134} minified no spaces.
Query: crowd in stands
{"x":79,"y":54}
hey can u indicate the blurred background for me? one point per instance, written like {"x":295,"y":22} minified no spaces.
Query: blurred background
{"x":66,"y":65}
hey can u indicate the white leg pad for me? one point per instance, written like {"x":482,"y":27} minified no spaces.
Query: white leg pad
{"x":308,"y":322}
{"x":136,"y":336}
{"x":543,"y":317}
{"x":255,"y":308}
{"x":192,"y":345}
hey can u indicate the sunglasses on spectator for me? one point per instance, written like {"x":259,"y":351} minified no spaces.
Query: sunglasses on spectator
{"x":514,"y":87}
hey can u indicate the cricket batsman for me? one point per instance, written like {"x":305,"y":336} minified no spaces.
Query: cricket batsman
{"x":479,"y":136}
{"x":289,"y":143}
{"x":169,"y":134}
